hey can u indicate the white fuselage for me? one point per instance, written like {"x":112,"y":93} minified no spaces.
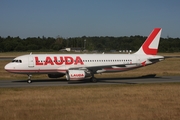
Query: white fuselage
{"x":60,"y":63}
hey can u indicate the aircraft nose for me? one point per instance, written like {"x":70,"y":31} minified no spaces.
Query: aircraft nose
{"x":7,"y":67}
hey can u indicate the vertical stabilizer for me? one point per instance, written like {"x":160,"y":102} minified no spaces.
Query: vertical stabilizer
{"x":150,"y":46}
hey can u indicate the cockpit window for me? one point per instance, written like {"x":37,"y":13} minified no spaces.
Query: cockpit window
{"x":17,"y":61}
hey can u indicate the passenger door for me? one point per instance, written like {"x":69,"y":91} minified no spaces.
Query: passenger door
{"x":30,"y":61}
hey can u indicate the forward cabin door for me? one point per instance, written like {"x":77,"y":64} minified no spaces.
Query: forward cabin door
{"x":30,"y":61}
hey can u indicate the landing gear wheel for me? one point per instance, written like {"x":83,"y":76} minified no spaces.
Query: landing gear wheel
{"x":29,"y":81}
{"x":93,"y":79}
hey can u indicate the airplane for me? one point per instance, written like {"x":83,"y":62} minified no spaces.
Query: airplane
{"x":81,"y":66}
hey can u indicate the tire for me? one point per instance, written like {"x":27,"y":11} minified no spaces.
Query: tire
{"x":29,"y":81}
{"x":94,"y":80}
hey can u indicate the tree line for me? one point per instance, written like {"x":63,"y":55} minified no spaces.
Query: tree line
{"x":103,"y":44}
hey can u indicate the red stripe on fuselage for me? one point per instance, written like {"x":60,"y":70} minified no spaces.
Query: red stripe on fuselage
{"x":36,"y":71}
{"x":120,"y":69}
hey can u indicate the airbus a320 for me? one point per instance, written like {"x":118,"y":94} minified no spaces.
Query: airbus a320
{"x":81,"y":66}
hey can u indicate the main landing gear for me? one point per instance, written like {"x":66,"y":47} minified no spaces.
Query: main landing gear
{"x":93,"y":79}
{"x":29,"y":79}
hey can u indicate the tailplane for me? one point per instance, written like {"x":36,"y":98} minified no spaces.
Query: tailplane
{"x":150,"y":46}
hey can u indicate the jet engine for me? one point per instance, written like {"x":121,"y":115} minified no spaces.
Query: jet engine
{"x":56,"y":75}
{"x":76,"y":75}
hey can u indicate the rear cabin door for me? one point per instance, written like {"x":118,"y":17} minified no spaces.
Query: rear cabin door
{"x":30,"y":61}
{"x":138,"y":60}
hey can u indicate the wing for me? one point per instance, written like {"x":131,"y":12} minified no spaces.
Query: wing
{"x":105,"y":68}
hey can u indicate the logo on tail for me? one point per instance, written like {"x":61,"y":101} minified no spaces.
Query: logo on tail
{"x":150,"y":46}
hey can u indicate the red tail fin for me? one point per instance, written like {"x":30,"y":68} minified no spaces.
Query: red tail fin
{"x":150,"y":46}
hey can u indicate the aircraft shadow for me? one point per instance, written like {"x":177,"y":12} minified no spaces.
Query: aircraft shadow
{"x":126,"y":80}
{"x":120,"y":80}
{"x":43,"y":80}
{"x":130,"y":78}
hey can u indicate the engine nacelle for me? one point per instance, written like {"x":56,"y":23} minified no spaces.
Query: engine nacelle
{"x":76,"y":75}
{"x":57,"y":75}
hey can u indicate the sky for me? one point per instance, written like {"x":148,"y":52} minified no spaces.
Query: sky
{"x":77,"y":18}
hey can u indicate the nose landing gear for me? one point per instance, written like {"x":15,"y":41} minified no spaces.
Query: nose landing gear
{"x":29,"y":79}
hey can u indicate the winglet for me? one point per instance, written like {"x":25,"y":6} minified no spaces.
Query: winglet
{"x":150,"y":46}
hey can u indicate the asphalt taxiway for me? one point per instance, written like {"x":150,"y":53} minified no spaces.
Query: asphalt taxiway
{"x":101,"y":81}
